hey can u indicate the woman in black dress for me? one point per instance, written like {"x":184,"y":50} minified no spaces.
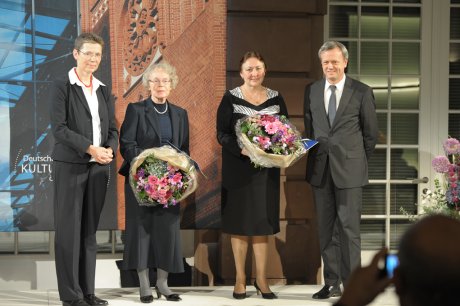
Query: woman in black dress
{"x":153,"y":233}
{"x":250,"y":196}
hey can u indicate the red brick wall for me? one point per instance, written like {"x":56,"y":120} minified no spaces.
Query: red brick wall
{"x":191,"y":35}
{"x":199,"y":56}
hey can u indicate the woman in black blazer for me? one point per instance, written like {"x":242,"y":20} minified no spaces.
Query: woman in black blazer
{"x":86,"y":137}
{"x":152,"y":237}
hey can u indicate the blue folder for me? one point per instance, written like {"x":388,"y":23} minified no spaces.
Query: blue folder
{"x":309,"y":143}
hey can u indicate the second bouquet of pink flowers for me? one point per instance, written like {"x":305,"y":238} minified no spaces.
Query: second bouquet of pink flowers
{"x":449,"y":165}
{"x":270,"y":140}
{"x":162,"y":176}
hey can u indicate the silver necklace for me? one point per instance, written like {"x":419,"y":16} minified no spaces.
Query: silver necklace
{"x":161,"y":113}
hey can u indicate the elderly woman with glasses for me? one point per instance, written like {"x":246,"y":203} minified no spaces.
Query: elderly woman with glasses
{"x":152,"y":237}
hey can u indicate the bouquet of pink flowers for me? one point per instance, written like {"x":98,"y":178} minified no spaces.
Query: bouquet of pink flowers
{"x":162,"y":176}
{"x":271,"y":140}
{"x":449,"y":165}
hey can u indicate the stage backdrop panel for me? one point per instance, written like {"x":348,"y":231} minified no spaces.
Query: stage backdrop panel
{"x":38,"y":50}
{"x":37,"y":39}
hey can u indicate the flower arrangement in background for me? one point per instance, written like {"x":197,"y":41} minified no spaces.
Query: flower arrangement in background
{"x":162,"y":176}
{"x":445,"y":198}
{"x":271,"y":140}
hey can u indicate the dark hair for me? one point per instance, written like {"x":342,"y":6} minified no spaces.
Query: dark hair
{"x":249,"y":55}
{"x":430,"y":261}
{"x":332,"y":44}
{"x":88,"y":38}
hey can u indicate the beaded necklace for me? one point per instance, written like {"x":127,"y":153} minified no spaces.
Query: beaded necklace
{"x":90,"y":79}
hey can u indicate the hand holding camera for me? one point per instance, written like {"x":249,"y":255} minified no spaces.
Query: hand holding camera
{"x":367,"y":282}
{"x":391,"y":262}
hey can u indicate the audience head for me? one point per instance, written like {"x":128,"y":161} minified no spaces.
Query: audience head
{"x":429,"y":269}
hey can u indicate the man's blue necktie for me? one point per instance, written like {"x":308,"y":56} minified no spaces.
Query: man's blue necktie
{"x":332,"y":109}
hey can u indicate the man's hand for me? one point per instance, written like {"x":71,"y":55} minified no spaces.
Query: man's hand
{"x":365,"y":283}
{"x":100,"y":154}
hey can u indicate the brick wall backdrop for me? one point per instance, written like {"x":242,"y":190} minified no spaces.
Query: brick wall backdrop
{"x":191,"y":35}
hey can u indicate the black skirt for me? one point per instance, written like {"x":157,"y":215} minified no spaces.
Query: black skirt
{"x":152,"y":236}
{"x":251,"y":207}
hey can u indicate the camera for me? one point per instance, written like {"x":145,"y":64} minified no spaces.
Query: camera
{"x":391,"y":262}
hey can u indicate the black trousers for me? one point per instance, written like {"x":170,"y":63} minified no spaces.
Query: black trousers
{"x":339,"y":218}
{"x":79,"y":195}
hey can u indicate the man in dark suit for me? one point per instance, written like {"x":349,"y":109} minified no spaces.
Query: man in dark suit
{"x":86,"y":137}
{"x":340,"y":115}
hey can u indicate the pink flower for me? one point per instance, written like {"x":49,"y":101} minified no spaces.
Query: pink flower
{"x":452,"y":146}
{"x":153,"y":180}
{"x":264,"y":142}
{"x":268,"y":118}
{"x":163,"y":191}
{"x":440,"y":164}
{"x":271,"y":128}
{"x":176,"y":178}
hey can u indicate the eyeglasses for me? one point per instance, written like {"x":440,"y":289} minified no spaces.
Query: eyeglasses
{"x":91,"y":54}
{"x":157,"y":82}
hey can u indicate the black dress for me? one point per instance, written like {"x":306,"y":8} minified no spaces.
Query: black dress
{"x":152,"y":235}
{"x":250,"y":196}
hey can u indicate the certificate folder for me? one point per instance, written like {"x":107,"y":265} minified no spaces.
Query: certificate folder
{"x":309,"y":143}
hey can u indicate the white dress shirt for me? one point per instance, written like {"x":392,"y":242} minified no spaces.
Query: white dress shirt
{"x":338,"y":92}
{"x":93,"y":105}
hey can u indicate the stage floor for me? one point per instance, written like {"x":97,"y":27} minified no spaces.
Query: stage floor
{"x":288,"y":295}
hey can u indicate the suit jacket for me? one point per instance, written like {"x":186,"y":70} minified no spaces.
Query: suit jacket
{"x":71,"y":122}
{"x":351,"y":139}
{"x":140,"y":130}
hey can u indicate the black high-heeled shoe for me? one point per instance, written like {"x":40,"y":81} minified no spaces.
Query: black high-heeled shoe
{"x":146,"y":299}
{"x":265,"y":295}
{"x":172,"y":297}
{"x":240,"y":296}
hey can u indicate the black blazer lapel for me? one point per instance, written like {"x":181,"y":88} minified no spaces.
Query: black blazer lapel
{"x":103,"y":115}
{"x":81,"y":97}
{"x":176,"y":125}
{"x":151,"y":116}
{"x":317,"y":94}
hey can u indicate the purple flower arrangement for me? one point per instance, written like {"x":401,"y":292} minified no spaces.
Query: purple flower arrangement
{"x":449,"y":166}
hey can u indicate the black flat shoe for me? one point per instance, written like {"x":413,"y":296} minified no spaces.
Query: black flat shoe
{"x":172,"y":297}
{"x":327,"y":292}
{"x":265,"y":295}
{"x":93,"y":300}
{"x":146,"y":299}
{"x":74,"y":303}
